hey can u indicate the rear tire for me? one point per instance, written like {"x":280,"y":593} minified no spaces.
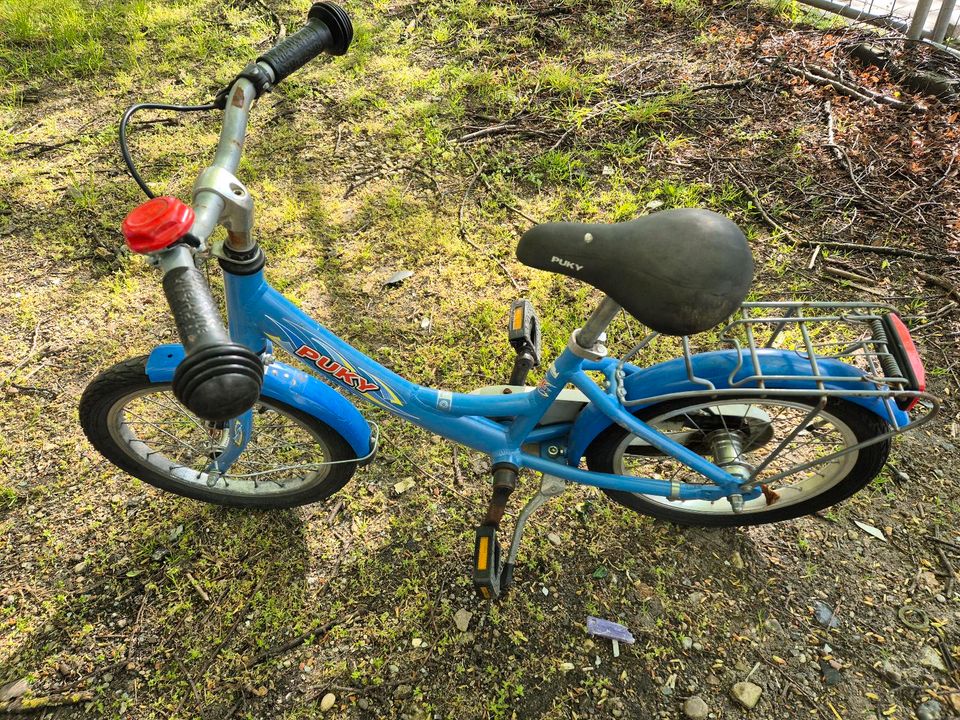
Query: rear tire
{"x":140,"y":427}
{"x":801,"y":494}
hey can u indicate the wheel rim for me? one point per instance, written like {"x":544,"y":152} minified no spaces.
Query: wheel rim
{"x":284,"y":455}
{"x":823,"y":434}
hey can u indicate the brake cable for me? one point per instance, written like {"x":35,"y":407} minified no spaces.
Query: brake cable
{"x":125,"y":151}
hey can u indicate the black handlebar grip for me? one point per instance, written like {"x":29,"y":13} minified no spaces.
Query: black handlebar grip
{"x":194,"y":309}
{"x":218,"y":379}
{"x":328,"y":29}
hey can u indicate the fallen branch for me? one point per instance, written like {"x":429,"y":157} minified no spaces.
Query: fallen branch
{"x":32,"y":704}
{"x":882,"y":250}
{"x":763,"y":213}
{"x":26,"y":358}
{"x":463,"y":228}
{"x":196,"y":586}
{"x":849,"y":277}
{"x":299,"y":640}
{"x":842,"y":156}
{"x":951,"y":573}
{"x":487,"y":131}
{"x":212,"y":655}
{"x":821,"y":76}
{"x":604,"y":107}
{"x":846,"y":274}
{"x":940,"y":282}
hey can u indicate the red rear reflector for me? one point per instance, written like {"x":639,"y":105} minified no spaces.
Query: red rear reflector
{"x":157,"y":224}
{"x":915,"y":372}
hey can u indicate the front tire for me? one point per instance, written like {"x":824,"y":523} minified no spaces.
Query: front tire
{"x":291,"y":459}
{"x":760,"y":426}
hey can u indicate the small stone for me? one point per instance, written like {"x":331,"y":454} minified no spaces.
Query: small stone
{"x":418,"y":642}
{"x":892,"y":672}
{"x":695,"y":708}
{"x":403,"y":691}
{"x":747,"y":694}
{"x":461,"y":618}
{"x":831,"y":673}
{"x":930,"y":710}
{"x":695,"y":598}
{"x":737,"y":561}
{"x":713,"y":679}
{"x":363,"y":704}
{"x":80,"y":567}
{"x":566,"y":667}
{"x":687,"y":643}
{"x":394,"y":669}
{"x":554,"y":539}
{"x":773,"y":625}
{"x":931,"y":658}
{"x":328,"y":701}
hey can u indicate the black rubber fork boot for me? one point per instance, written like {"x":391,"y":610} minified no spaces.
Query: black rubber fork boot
{"x":487,"y":551}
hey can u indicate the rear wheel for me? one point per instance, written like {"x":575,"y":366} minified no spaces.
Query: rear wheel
{"x":741,"y":433}
{"x":139,"y":426}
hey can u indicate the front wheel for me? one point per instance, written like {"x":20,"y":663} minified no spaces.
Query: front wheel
{"x":291,"y":458}
{"x":742,"y":433}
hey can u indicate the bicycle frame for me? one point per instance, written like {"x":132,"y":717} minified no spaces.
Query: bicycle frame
{"x":502,"y":426}
{"x":506,"y":427}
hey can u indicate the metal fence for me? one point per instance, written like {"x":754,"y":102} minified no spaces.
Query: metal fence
{"x":934,"y":20}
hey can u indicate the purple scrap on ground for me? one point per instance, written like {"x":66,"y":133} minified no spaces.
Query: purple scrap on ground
{"x":608,"y":629}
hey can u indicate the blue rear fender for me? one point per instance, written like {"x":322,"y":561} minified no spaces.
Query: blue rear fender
{"x":291,"y":386}
{"x":671,"y":377}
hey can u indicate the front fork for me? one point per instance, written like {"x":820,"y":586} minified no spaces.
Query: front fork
{"x":231,"y":443}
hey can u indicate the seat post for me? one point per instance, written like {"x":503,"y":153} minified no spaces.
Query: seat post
{"x":597,"y":323}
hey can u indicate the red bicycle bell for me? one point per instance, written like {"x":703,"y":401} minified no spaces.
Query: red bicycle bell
{"x":157,"y":224}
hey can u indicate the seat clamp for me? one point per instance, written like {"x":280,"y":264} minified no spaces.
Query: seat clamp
{"x":597,"y":352}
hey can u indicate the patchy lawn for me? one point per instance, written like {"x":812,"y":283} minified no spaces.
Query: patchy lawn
{"x":447,"y":129}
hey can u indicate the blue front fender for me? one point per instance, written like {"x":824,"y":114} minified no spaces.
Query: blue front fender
{"x":671,"y":377}
{"x":291,"y":386}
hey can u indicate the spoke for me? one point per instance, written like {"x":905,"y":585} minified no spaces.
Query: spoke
{"x":814,"y":411}
{"x":156,"y":427}
{"x":176,"y":407}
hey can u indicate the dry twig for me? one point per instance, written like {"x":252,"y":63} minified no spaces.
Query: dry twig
{"x":463,"y":228}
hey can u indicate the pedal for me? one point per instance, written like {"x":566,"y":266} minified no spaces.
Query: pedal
{"x":486,"y":563}
{"x":523,"y":331}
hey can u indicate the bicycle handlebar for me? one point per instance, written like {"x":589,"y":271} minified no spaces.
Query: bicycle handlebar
{"x":328,"y":29}
{"x":219,"y":379}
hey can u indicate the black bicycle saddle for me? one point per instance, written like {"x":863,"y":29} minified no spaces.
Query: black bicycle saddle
{"x":678,"y":272}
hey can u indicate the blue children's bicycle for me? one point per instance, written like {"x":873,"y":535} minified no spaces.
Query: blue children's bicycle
{"x":794,"y":413}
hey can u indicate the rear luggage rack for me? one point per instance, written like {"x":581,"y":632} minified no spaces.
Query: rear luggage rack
{"x":858,"y":334}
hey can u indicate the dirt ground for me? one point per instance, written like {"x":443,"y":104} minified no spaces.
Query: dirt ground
{"x":446,"y":131}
